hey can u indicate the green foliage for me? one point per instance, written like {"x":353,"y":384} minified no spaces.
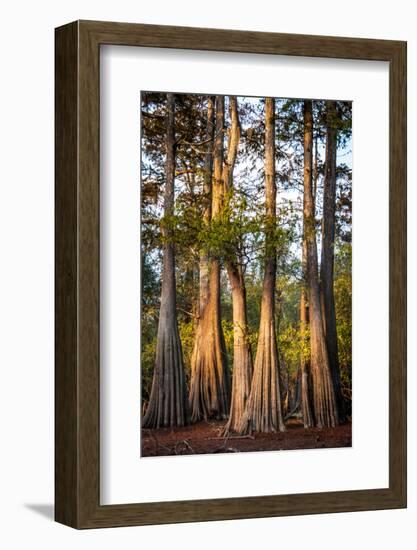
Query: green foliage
{"x":147,"y":366}
{"x":343,"y":304}
{"x":227,"y":327}
{"x":290,"y":346}
{"x":150,"y":292}
{"x":187,"y":334}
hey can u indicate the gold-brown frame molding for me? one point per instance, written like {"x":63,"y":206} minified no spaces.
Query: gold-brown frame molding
{"x":77,"y":401}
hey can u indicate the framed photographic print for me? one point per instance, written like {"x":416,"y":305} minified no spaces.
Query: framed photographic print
{"x":230,"y":274}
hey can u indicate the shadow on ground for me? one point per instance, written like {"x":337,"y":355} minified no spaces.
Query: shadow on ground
{"x":45,"y":510}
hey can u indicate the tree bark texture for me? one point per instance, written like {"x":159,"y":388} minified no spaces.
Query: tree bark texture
{"x":327,"y":254}
{"x":263,"y":411}
{"x":168,"y":402}
{"x":325,"y":406}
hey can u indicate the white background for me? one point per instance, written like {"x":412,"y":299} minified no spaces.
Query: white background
{"x":26,"y":286}
{"x":126,"y":478}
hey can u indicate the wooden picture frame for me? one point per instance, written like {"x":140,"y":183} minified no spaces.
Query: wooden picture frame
{"x":77,"y":405}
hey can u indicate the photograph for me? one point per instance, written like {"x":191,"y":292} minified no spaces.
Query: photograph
{"x":246,"y":274}
{"x":209,"y":270}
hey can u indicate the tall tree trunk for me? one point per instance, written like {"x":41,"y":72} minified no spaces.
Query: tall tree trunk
{"x":242,"y":354}
{"x":210,"y":384}
{"x":207,"y":183}
{"x":264,"y":409}
{"x":325,"y":406}
{"x":327,"y":254}
{"x":308,"y":419}
{"x":168,"y":403}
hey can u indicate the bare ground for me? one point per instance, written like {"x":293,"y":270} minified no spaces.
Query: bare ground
{"x":205,"y":438}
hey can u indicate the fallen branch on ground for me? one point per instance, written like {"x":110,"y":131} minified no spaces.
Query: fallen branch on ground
{"x":232,"y":437}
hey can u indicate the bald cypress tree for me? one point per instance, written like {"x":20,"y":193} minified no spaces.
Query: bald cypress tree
{"x":263,"y":408}
{"x":324,"y":401}
{"x":168,"y":402}
{"x":327,"y":252}
{"x":210,"y":381}
{"x":242,"y":355}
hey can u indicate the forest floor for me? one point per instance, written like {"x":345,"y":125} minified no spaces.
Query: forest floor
{"x":205,"y":438}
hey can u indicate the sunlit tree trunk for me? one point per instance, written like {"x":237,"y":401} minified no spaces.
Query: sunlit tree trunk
{"x":325,"y":406}
{"x":242,"y":356}
{"x":210,"y":384}
{"x":263,"y":409}
{"x":168,"y":402}
{"x":327,"y":254}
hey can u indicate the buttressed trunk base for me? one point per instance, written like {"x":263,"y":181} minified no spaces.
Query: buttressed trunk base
{"x":210,"y":385}
{"x":242,"y":354}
